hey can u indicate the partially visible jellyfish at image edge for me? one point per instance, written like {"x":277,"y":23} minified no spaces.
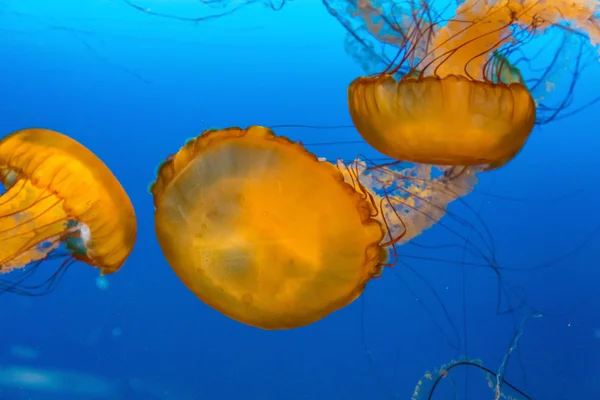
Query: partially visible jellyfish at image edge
{"x":496,"y":380}
{"x":466,"y":89}
{"x":58,"y":202}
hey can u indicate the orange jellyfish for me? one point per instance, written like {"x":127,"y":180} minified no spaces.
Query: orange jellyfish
{"x":266,"y":233}
{"x":59,"y":201}
{"x":451,"y":94}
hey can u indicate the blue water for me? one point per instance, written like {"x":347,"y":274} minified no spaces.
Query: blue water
{"x":133,"y":87}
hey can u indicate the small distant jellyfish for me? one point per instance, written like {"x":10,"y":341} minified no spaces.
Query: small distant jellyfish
{"x":102,"y":282}
{"x":59,"y":201}
{"x":449,"y":93}
{"x":427,"y":385}
{"x":266,"y":233}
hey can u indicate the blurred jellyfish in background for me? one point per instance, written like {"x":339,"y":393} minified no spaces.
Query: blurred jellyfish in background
{"x":502,"y":389}
{"x":463,"y":83}
{"x":43,"y":382}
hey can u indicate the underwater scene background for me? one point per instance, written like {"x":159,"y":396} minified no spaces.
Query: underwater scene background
{"x":133,"y":86}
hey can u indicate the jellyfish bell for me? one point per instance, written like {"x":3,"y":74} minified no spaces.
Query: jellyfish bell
{"x":270,"y":235}
{"x":257,"y":228}
{"x":59,"y":201}
{"x":451,"y":121}
{"x":449,"y":94}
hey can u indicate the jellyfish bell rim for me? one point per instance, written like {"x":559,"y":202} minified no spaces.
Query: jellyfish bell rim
{"x":193,"y":147}
{"x":62,"y":154}
{"x":391,"y":116}
{"x":228,"y":302}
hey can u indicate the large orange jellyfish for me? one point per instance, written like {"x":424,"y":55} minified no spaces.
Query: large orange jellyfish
{"x":58,"y":194}
{"x":269,"y":235}
{"x":449,"y":94}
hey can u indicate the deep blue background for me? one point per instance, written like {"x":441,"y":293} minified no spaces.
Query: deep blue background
{"x":133,"y":87}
